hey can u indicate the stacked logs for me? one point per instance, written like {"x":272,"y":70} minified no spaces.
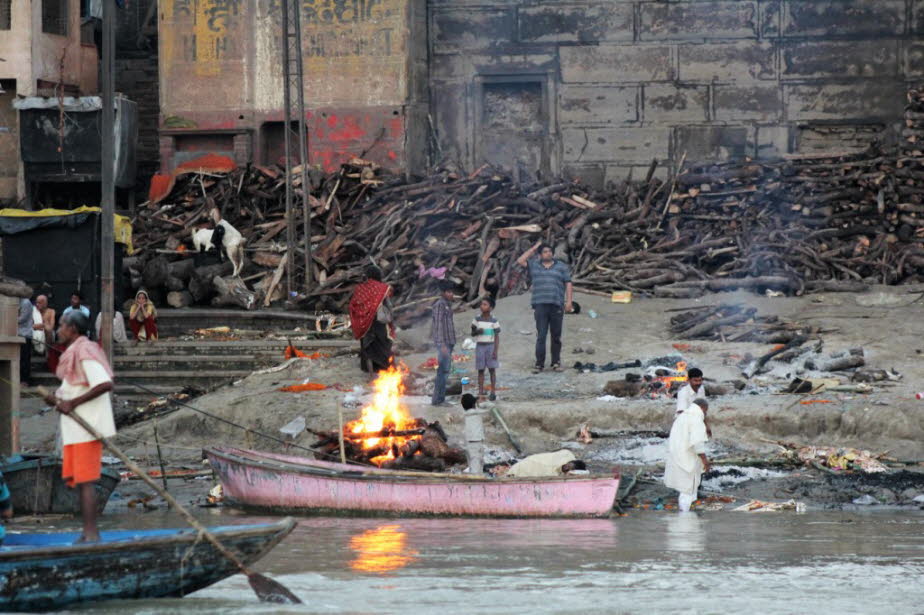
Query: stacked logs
{"x":734,"y":323}
{"x":828,"y":222}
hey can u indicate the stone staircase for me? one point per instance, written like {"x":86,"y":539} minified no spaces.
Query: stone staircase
{"x":173,"y":362}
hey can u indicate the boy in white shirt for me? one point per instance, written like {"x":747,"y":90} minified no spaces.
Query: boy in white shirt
{"x":486,"y":330}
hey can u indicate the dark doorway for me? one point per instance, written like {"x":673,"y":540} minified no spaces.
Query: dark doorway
{"x":513,"y":121}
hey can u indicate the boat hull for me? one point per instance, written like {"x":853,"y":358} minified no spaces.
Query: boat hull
{"x":282,"y":483}
{"x":36,"y":486}
{"x":38,"y":576}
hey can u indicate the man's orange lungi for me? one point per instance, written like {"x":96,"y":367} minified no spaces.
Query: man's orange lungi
{"x":83,"y":462}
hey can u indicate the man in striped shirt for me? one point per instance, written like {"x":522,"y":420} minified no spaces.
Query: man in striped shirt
{"x":443,"y":335}
{"x":552,"y":291}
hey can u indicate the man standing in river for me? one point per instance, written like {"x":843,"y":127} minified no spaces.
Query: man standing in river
{"x":551,"y":298}
{"x":686,"y":458}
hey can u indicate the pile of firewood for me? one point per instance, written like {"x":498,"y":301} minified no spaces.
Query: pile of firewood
{"x":834,"y":222}
{"x":734,"y":323}
{"x":422,"y":447}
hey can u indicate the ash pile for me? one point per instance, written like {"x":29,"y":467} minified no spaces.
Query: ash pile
{"x":797,"y":362}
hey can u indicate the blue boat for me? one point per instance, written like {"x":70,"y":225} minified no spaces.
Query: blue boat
{"x":43,"y":572}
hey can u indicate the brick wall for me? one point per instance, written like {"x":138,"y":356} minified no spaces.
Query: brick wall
{"x":625,"y":81}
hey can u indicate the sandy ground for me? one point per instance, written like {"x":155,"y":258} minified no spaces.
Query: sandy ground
{"x":546,"y":410}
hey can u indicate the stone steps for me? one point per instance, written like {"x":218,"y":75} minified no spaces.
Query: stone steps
{"x":174,"y":322}
{"x":170,"y":364}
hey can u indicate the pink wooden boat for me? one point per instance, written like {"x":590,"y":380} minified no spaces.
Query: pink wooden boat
{"x":283,"y":483}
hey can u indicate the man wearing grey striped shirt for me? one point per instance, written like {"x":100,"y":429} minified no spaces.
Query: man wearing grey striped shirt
{"x":552,"y":291}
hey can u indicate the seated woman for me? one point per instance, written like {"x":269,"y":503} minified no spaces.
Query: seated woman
{"x":142,"y":318}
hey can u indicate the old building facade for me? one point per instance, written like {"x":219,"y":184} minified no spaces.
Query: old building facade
{"x":588,"y":88}
{"x":43,"y":54}
{"x":604,"y":87}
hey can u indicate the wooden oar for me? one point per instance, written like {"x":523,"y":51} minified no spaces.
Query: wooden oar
{"x":267,"y":589}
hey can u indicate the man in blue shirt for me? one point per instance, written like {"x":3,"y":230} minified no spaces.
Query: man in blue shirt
{"x":76,"y":305}
{"x":552,"y":292}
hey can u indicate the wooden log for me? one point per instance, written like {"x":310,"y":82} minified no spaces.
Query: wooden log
{"x":758,"y":364}
{"x":201,"y":285}
{"x":179,"y":299}
{"x":155,"y":272}
{"x":836,"y":364}
{"x":622,"y":388}
{"x":182,"y":269}
{"x":836,"y":286}
{"x":173,"y":284}
{"x":232,"y":291}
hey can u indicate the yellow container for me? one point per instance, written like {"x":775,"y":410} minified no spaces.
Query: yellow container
{"x":622,"y":296}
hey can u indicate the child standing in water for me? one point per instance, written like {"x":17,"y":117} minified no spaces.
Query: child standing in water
{"x":486,"y":331}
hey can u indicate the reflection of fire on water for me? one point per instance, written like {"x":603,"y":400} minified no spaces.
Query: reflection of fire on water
{"x":381,"y":550}
{"x":386,"y":414}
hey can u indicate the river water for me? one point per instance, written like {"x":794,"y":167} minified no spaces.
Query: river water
{"x":666,"y":562}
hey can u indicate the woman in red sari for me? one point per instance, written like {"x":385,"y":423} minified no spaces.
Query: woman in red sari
{"x":371,"y":321}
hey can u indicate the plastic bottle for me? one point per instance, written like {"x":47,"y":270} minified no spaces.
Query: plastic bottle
{"x":592,"y":313}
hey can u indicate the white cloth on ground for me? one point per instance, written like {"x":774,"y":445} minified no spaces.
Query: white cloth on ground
{"x":684,"y":468}
{"x":97,"y":412}
{"x":543,"y":464}
{"x":687,"y":396}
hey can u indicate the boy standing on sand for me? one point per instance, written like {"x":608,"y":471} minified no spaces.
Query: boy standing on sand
{"x":486,"y":331}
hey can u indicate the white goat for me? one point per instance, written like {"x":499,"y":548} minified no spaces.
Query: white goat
{"x":225,"y":236}
{"x":233,"y":242}
{"x":202,"y":239}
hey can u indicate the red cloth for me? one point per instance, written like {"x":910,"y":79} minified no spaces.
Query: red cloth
{"x":81,"y":349}
{"x":82,"y":463}
{"x":54,"y":357}
{"x":162,"y":185}
{"x":150,"y":327}
{"x":366,"y":300}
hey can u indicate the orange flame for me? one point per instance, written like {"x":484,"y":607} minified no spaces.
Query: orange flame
{"x":387,"y":411}
{"x":681,"y":367}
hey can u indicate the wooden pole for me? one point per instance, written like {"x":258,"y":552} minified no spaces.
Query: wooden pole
{"x":302,"y":144}
{"x":107,"y":172}
{"x":160,"y":457}
{"x":340,"y":431}
{"x":287,"y":132}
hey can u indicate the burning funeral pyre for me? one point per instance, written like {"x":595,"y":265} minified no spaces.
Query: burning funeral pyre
{"x":386,"y":435}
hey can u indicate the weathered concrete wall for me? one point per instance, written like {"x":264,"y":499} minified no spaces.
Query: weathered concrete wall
{"x":365,"y":78}
{"x":626,"y":81}
{"x":31,"y":58}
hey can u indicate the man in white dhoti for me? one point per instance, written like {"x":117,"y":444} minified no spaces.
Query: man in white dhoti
{"x":686,"y":458}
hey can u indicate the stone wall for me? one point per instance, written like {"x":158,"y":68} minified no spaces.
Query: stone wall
{"x":365,"y":85}
{"x":622,"y":82}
